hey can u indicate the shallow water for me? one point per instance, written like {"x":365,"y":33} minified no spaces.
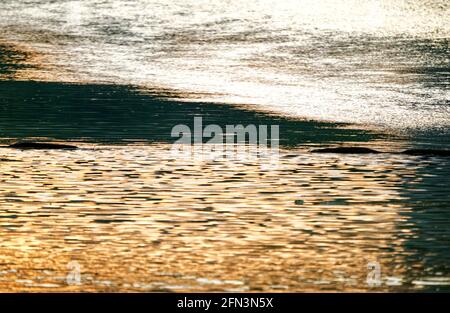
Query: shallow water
{"x":378,"y":63}
{"x":115,"y":77}
{"x":136,"y":218}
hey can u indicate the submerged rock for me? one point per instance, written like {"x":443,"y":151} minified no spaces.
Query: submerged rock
{"x":362,"y":150}
{"x":427,"y":152}
{"x":347,"y":150}
{"x":42,"y":146}
{"x":8,"y":160}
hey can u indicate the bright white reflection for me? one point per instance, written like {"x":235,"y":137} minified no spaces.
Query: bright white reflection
{"x":379,"y":63}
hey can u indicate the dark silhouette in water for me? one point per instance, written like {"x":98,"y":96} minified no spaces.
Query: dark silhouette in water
{"x":339,"y":150}
{"x":42,"y":146}
{"x":363,"y":150}
{"x":8,"y":160}
{"x":347,"y":150}
{"x":427,"y":152}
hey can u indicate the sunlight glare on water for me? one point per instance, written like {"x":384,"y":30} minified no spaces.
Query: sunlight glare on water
{"x":382,"y":63}
{"x":137,"y":219}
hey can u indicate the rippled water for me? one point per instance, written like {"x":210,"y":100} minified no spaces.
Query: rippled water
{"x":114,"y":77}
{"x":382,"y":63}
{"x":135,"y":218}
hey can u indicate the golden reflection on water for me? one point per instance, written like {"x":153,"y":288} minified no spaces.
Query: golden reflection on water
{"x":137,"y":219}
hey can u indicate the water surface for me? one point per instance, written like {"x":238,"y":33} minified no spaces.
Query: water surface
{"x":114,"y":77}
{"x":138,"y":219}
{"x":377,"y":63}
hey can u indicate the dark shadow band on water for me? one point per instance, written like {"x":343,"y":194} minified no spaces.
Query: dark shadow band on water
{"x":114,"y":114}
{"x":118,"y":113}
